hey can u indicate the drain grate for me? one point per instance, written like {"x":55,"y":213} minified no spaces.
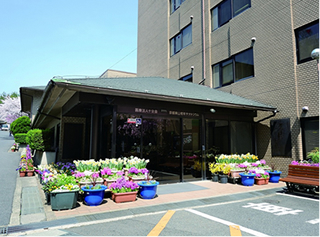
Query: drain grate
{"x":3,"y":230}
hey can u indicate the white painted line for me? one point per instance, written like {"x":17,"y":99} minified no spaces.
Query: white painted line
{"x":287,"y":195}
{"x":224,"y":222}
{"x":315,"y":221}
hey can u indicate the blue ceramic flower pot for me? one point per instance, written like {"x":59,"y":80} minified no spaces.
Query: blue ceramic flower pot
{"x":274,"y":176}
{"x":94,"y":197}
{"x":247,"y":179}
{"x":147,"y":190}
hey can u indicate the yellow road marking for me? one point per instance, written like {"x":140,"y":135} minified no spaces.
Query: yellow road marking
{"x":161,"y":224}
{"x":235,"y":230}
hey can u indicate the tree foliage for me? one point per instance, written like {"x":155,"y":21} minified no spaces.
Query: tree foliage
{"x":10,"y":108}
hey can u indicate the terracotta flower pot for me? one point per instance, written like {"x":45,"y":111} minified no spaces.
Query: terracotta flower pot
{"x":261,"y":181}
{"x":30,"y":172}
{"x":22,"y":173}
{"x":124,"y":197}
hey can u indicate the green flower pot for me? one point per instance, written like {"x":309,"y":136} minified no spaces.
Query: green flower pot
{"x":63,"y":200}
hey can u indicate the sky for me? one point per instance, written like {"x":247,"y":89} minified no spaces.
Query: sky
{"x":40,"y":39}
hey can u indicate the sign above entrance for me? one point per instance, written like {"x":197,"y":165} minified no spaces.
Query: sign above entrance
{"x":146,"y":111}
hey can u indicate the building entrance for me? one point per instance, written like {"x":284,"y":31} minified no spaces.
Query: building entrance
{"x":172,"y":149}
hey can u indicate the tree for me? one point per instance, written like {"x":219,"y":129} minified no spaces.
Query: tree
{"x":4,"y":96}
{"x":10,"y":109}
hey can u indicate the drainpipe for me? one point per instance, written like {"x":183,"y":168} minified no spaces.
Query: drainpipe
{"x":256,"y":124}
{"x":203,"y":44}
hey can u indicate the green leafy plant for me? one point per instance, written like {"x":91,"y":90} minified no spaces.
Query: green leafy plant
{"x":314,"y":155}
{"x":20,"y":138}
{"x":20,"y":125}
{"x":35,"y":140}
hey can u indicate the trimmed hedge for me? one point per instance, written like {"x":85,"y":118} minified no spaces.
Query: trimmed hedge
{"x":20,"y":138}
{"x":20,"y":125}
{"x":35,"y":140}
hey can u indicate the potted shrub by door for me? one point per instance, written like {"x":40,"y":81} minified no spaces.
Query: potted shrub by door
{"x":94,"y":194}
{"x":148,"y":189}
{"x":124,"y":191}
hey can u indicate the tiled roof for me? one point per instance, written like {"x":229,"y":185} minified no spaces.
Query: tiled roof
{"x":165,"y":87}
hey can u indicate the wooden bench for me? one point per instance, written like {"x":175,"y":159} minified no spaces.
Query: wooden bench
{"x":301,"y":175}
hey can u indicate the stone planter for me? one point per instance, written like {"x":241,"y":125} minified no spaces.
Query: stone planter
{"x":63,"y":200}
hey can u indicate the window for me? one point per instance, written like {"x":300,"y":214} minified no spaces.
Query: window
{"x":238,"y":67}
{"x":187,"y":78}
{"x":310,"y":134}
{"x":181,"y":40}
{"x":226,"y":10}
{"x":307,"y":39}
{"x":175,"y":4}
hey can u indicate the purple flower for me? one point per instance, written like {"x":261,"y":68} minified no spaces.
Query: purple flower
{"x":144,"y":171}
{"x":254,"y":165}
{"x":242,"y":166}
{"x":133,"y":170}
{"x":263,"y":162}
{"x":294,"y":163}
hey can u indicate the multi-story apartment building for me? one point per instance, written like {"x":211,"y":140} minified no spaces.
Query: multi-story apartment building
{"x":256,"y":49}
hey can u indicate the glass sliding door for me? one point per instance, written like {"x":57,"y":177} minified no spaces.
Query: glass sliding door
{"x":128,"y":136}
{"x":161,"y":145}
{"x":192,"y":162}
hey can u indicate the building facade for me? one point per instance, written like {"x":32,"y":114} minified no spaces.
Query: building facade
{"x":256,"y":49}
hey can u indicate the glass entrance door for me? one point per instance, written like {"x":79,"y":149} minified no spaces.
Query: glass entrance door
{"x":161,"y":145}
{"x":192,"y":161}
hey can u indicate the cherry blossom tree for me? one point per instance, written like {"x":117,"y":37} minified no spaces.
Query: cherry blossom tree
{"x":10,"y":109}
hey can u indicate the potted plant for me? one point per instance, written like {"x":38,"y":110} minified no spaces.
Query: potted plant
{"x":94,"y":193}
{"x":262,"y":176}
{"x":225,"y":170}
{"x":123,"y":190}
{"x":148,"y":189}
{"x":63,"y":191}
{"x":247,"y":178}
{"x":22,"y":166}
{"x":109,"y":176}
{"x":215,"y":169}
{"x":274,"y":175}
{"x":236,"y":170}
{"x":137,"y":174}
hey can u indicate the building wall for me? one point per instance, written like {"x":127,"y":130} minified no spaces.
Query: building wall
{"x":278,"y":81}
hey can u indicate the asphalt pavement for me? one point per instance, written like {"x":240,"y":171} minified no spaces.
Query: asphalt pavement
{"x":8,"y":175}
{"x":202,"y":208}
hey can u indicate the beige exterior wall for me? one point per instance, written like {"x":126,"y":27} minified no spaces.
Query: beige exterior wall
{"x":116,"y":73}
{"x":279,"y":81}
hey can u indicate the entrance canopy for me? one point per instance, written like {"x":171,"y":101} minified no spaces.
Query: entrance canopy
{"x":59,"y":91}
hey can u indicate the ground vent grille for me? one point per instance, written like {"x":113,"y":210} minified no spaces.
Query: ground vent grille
{"x":3,"y":230}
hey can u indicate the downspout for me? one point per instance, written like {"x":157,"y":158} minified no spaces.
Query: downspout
{"x":203,"y":44}
{"x":256,"y":124}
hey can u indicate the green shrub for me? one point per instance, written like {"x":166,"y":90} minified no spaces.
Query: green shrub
{"x":20,"y":125}
{"x":314,"y":155}
{"x":20,"y":138}
{"x":35,"y":140}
